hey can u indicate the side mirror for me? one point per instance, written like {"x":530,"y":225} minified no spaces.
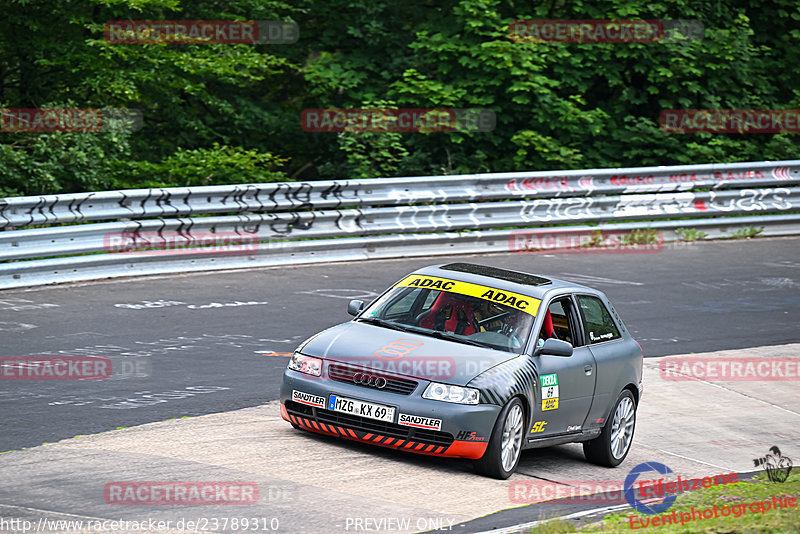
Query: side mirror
{"x":354,"y":307}
{"x":554,"y":347}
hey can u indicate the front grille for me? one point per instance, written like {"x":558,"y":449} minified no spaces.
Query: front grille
{"x":366,"y":425}
{"x":394,"y":384}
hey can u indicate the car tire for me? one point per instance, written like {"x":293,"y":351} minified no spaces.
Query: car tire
{"x":505,"y":446}
{"x":611,"y":447}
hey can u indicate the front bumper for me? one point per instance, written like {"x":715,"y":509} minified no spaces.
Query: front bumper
{"x":464,"y":433}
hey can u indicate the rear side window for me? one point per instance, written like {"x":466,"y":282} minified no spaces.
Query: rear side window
{"x":597,"y":321}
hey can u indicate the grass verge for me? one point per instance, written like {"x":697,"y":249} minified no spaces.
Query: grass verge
{"x":740,"y":499}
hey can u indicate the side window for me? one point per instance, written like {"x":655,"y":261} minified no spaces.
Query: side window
{"x":558,"y":324}
{"x":429,"y":300}
{"x":597,"y":321}
{"x":402,"y":307}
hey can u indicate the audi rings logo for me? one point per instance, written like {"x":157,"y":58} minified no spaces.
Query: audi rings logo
{"x":397,"y":349}
{"x":372,"y":381}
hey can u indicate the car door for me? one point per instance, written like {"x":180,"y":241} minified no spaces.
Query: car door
{"x":566,"y":384}
{"x":608,"y":346}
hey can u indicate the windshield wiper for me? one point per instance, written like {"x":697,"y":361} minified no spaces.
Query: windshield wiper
{"x":449,"y":337}
{"x":382,"y":322}
{"x":424,"y":331}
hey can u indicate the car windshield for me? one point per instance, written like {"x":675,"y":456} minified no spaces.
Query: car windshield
{"x":458,"y":317}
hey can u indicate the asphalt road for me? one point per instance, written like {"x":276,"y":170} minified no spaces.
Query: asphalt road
{"x":309,"y":483}
{"x":195,"y":344}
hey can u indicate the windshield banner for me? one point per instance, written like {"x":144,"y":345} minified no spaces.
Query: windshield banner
{"x":517,"y":301}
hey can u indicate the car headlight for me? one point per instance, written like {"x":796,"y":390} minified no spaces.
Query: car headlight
{"x":447,"y":393}
{"x":306,"y":364}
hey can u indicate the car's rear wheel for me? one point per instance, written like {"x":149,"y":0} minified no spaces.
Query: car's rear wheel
{"x":611,"y":447}
{"x":505,"y":446}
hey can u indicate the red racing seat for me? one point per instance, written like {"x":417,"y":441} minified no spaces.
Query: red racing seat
{"x":547,"y":327}
{"x":460,"y":320}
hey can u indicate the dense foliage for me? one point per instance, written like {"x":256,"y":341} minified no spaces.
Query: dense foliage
{"x":228,"y":113}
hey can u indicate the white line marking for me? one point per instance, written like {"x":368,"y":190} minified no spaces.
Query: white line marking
{"x":720,"y":386}
{"x":49,"y":511}
{"x":598,"y":279}
{"x":728,"y":469}
{"x":576,"y":515}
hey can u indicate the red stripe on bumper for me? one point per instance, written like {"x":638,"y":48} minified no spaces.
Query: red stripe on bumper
{"x":284,"y":413}
{"x":472,"y":450}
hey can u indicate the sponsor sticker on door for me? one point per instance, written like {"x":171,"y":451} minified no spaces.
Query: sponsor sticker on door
{"x":549,"y":380}
{"x":550,"y":392}
{"x":550,"y":404}
{"x":538,"y":427}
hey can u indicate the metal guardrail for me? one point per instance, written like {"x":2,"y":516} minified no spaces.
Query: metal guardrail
{"x":300,"y":222}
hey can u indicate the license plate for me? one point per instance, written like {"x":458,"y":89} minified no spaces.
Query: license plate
{"x":364,"y":409}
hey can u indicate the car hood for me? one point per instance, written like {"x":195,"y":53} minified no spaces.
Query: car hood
{"x":403,"y":353}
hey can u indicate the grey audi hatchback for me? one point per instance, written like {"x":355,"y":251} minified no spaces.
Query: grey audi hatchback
{"x":471,"y":361}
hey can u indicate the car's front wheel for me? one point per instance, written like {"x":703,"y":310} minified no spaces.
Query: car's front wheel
{"x":614,"y":442}
{"x":505,"y":446}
